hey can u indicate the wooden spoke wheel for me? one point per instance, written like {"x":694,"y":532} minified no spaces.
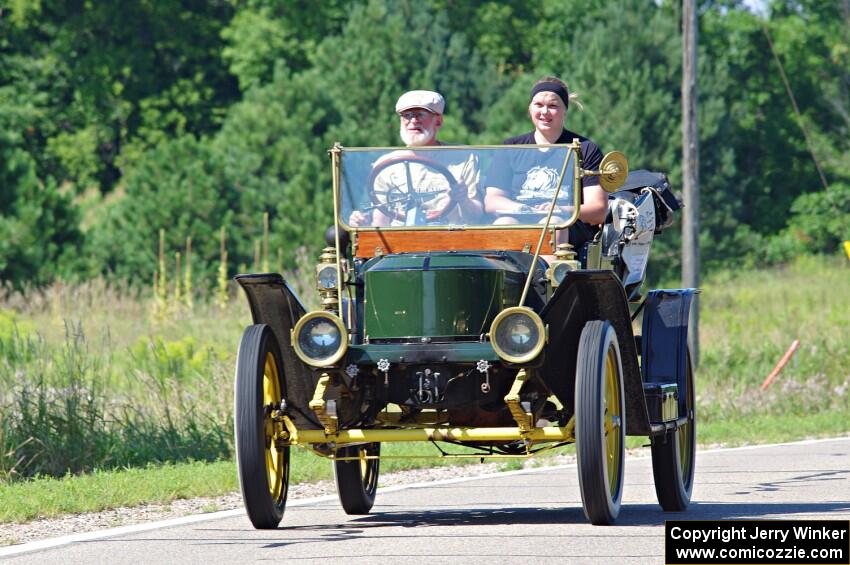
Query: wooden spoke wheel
{"x":600,"y":422}
{"x":674,"y":454}
{"x":261,"y":455}
{"x":357,"y":480}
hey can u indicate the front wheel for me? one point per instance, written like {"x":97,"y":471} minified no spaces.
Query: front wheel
{"x":600,"y":422}
{"x":357,"y":480}
{"x":674,"y":455}
{"x":261,"y":455}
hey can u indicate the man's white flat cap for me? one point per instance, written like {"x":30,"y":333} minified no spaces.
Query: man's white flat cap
{"x":431,"y":101}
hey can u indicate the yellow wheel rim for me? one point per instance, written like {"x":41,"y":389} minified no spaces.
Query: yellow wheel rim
{"x":271,"y":397}
{"x":686,"y":446}
{"x":612,"y":419}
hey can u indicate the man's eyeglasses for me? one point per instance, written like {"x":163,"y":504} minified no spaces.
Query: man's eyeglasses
{"x":418,"y":114}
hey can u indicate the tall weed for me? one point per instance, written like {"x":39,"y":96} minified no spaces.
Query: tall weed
{"x":61,"y":412}
{"x":53,"y":420}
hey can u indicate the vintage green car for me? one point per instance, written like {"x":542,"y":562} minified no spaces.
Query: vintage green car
{"x":443,"y":322}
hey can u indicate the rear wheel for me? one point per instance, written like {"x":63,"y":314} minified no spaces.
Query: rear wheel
{"x":262,"y":457}
{"x":357,"y":481}
{"x":600,"y":422}
{"x":674,"y":455}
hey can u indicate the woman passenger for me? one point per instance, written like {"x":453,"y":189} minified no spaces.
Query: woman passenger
{"x":530,"y":175}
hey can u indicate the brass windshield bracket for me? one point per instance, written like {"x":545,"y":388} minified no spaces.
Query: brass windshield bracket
{"x":335,"y":154}
{"x":572,"y":148}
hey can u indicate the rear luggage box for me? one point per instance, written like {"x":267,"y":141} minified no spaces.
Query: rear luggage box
{"x":662,"y":401}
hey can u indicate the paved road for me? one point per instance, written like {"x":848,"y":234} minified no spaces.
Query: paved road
{"x":517,"y":517}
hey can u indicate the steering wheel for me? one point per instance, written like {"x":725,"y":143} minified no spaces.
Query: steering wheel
{"x":395,"y":200}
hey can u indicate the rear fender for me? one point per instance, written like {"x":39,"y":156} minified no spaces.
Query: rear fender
{"x":274,"y":303}
{"x":664,"y":346}
{"x":581,"y":297}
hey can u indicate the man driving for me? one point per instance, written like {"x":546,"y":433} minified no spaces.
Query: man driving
{"x":412,"y":188}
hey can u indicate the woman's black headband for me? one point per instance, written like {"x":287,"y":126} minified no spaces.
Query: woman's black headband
{"x":555,"y":87}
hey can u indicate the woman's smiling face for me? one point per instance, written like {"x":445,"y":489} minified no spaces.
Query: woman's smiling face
{"x":547,"y":113}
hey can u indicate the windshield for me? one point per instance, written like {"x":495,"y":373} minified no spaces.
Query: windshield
{"x":505,"y":186}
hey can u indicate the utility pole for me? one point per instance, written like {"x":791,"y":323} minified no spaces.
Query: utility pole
{"x":690,"y":166}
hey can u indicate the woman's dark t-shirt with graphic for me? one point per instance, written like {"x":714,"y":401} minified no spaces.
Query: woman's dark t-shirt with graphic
{"x":531,"y":177}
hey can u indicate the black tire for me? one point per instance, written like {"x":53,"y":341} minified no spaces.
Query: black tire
{"x":357,"y":481}
{"x":600,"y":422}
{"x":263,"y":465}
{"x":674,"y":455}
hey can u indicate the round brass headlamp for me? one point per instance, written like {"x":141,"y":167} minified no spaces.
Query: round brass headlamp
{"x":517,"y":334}
{"x":320,"y":339}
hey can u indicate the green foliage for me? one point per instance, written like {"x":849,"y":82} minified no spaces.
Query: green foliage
{"x":118,"y":119}
{"x":819,"y":223}
{"x":39,"y":235}
{"x":773,"y":165}
{"x":178,"y":186}
{"x":273,"y":161}
{"x":76,"y":154}
{"x":164,"y":362}
{"x":111,"y":74}
{"x":265,"y":33}
{"x":503,"y":32}
{"x":398,"y":47}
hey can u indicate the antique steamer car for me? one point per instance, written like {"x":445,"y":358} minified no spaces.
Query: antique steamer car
{"x":502,"y":339}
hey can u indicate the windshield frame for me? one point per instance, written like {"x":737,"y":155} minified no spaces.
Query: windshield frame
{"x":573,"y":150}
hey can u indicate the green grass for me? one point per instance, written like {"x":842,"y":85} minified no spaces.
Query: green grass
{"x":50,"y":497}
{"x":749,"y":319}
{"x":773,"y":428}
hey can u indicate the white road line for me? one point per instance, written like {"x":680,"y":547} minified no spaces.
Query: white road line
{"x":184,"y":520}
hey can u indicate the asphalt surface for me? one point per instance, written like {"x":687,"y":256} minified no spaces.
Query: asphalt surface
{"x":518,"y":517}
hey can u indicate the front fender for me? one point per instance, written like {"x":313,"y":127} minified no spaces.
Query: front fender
{"x":274,"y":303}
{"x":582,"y":297}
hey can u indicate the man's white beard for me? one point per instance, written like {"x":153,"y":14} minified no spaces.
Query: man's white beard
{"x":413,"y":139}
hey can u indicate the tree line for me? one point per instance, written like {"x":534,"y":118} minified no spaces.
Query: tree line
{"x":119,"y":119}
